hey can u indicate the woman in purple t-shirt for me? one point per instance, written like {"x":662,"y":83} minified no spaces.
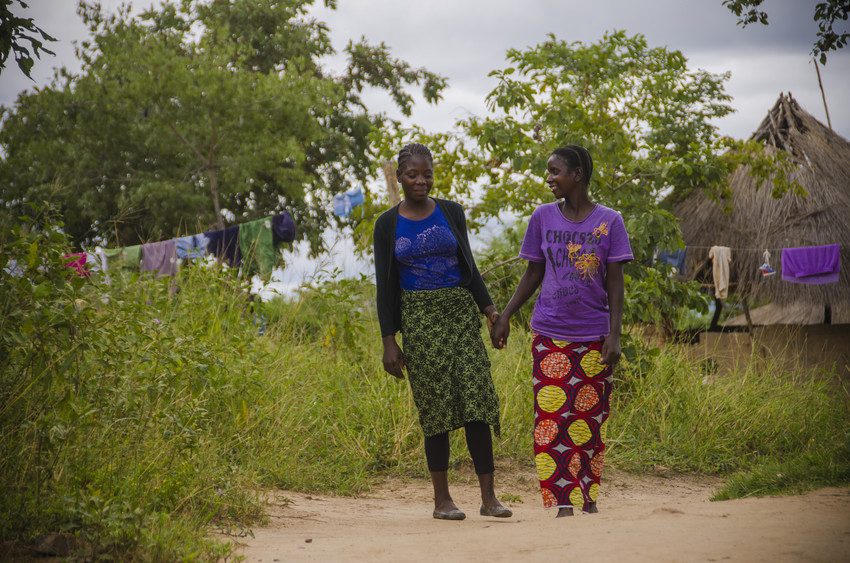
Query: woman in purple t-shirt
{"x":575,"y":250}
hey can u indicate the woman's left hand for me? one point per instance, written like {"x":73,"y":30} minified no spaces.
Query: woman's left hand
{"x":611,"y":350}
{"x":491,"y":320}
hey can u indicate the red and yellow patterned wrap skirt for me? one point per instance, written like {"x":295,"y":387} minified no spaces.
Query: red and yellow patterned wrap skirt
{"x":571,"y":404}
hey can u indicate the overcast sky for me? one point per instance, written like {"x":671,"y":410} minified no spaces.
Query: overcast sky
{"x":464,"y":40}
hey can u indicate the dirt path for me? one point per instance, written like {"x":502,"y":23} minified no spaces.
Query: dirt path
{"x":642,"y":518}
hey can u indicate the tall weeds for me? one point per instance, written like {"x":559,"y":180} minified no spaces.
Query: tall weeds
{"x":671,"y":414}
{"x":141,"y":416}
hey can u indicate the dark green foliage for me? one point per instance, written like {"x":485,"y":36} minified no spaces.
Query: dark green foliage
{"x":197,"y":108}
{"x":112,"y":398}
{"x":20,"y":35}
{"x":827,"y":14}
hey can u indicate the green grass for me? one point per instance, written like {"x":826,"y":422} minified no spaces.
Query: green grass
{"x":142,"y":422}
{"x":744,"y":424}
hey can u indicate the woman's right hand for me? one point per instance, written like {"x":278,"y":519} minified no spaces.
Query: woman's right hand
{"x":393,"y":358}
{"x":500,"y":332}
{"x":528,"y":284}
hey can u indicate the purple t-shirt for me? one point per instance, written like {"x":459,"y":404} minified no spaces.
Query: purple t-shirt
{"x":573,"y":303}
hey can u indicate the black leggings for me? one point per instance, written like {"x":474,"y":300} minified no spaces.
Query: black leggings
{"x":478,"y":440}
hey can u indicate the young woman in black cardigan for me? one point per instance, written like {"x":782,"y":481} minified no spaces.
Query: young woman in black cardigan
{"x":430,"y":289}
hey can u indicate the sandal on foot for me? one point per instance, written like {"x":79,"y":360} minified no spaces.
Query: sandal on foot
{"x":497,"y":511}
{"x":450,"y":515}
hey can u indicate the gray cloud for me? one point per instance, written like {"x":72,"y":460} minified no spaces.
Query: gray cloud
{"x":465,"y":39}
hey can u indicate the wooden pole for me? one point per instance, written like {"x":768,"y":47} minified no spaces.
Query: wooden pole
{"x":392,"y":183}
{"x":822,"y":95}
{"x":746,"y":307}
{"x":718,"y":307}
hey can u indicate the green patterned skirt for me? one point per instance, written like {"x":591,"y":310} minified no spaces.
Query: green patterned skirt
{"x":446,"y":361}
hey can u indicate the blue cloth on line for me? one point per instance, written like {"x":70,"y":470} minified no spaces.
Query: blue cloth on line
{"x":283,"y":228}
{"x":194,"y":246}
{"x":224,"y":245}
{"x":355,"y":197}
{"x":676,"y":258}
{"x":342,"y":206}
{"x":345,"y":203}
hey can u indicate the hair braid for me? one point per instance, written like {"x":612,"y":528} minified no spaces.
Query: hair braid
{"x":576,"y":156}
{"x":413,"y":149}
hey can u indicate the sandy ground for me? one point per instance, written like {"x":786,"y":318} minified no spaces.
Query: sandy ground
{"x":642,"y":518}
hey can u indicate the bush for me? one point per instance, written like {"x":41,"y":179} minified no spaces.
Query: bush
{"x":142,"y":415}
{"x":666,"y":411}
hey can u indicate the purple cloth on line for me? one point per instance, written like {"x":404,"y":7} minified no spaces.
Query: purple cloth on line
{"x":224,"y":245}
{"x":283,"y":228}
{"x":811,"y":264}
{"x":160,"y":257}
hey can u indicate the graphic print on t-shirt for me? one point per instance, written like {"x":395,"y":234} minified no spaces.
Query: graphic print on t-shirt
{"x":433,"y":249}
{"x":578,"y":260}
{"x":426,"y":251}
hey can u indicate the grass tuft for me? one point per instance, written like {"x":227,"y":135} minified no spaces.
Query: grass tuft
{"x":142,"y":416}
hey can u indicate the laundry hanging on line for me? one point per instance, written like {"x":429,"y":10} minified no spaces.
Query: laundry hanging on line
{"x":721,"y":257}
{"x":78,"y":264}
{"x":811,"y":264}
{"x":345,"y":203}
{"x":224,"y":245}
{"x":257,"y":241}
{"x":806,"y":265}
{"x":676,"y":258}
{"x":159,"y":258}
{"x":766,"y":269}
{"x":194,"y":246}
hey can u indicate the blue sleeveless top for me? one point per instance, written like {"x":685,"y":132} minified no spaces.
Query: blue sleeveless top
{"x":426,"y":252}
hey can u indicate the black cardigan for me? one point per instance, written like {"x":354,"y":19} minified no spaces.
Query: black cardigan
{"x":386,"y":270}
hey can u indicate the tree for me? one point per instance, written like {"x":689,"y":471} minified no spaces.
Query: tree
{"x":196,"y":111}
{"x":645,"y":117}
{"x":16,"y":33}
{"x":826,"y":15}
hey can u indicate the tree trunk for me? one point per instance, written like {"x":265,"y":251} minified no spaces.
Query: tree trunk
{"x":392,"y":183}
{"x":213,"y":178}
{"x":219,"y":220}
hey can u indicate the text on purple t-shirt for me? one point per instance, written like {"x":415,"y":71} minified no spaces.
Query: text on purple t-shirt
{"x":573,"y":303}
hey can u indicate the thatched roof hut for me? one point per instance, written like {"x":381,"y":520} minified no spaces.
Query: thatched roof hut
{"x":760,"y":222}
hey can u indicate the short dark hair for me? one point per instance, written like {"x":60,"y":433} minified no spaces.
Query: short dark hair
{"x":575,"y":156}
{"x":414,"y":149}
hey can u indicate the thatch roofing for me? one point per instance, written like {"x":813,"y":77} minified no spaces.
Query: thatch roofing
{"x":759,"y":221}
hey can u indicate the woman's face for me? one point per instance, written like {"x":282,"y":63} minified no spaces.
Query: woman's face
{"x":416,"y":177}
{"x":562,"y":179}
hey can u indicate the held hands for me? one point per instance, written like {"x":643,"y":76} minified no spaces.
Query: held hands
{"x":611,"y":350}
{"x":500,"y":329}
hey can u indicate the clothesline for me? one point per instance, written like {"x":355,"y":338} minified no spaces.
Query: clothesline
{"x":805,"y":265}
{"x":739,"y":249}
{"x":254,"y":239}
